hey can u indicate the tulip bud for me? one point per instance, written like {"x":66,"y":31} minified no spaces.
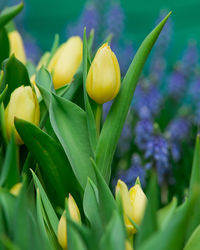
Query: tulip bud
{"x":66,"y":62}
{"x":128,"y":245}
{"x":73,"y":209}
{"x":103,"y":79}
{"x":134,"y":204}
{"x":16,"y":46}
{"x":23,"y":104}
{"x":62,"y":231}
{"x":15,"y":190}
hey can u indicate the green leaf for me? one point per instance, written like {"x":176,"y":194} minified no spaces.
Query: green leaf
{"x":3,"y":123}
{"x":114,"y":235}
{"x":114,"y":122}
{"x":149,"y":223}
{"x":45,"y":85}
{"x":107,"y":204}
{"x":2,"y":95}
{"x":92,"y":209}
{"x":9,"y":13}
{"x":53,"y":219}
{"x":195,"y":175}
{"x":172,"y":236}
{"x":89,"y":113}
{"x":164,"y":215}
{"x":70,"y":125}
{"x":15,"y":75}
{"x":194,"y":241}
{"x":10,"y":171}
{"x":4,"y":45}
{"x":53,"y":163}
{"x":195,"y":181}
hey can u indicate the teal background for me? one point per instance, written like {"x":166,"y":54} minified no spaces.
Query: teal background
{"x":44,"y":18}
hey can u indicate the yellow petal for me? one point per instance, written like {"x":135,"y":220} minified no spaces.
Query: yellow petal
{"x":15,"y":190}
{"x":62,"y":231}
{"x":73,"y":209}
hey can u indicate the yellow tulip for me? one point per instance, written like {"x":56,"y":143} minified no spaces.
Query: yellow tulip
{"x":15,"y":190}
{"x":16,"y":46}
{"x":103,"y":79}
{"x":134,"y":204}
{"x":66,"y":62}
{"x":33,"y":83}
{"x":23,"y":104}
{"x":62,"y":226}
{"x":128,"y":245}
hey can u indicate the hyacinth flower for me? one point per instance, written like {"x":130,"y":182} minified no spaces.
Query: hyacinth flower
{"x":143,"y":132}
{"x":115,"y":22}
{"x":157,"y":151}
{"x":147,"y":101}
{"x":130,"y":175}
{"x":177,"y":83}
{"x":134,"y":203}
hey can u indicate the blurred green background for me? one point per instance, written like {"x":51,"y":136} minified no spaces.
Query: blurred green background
{"x":43,"y":18}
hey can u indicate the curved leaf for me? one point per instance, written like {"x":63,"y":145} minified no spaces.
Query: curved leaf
{"x":53,"y":163}
{"x":69,"y":123}
{"x":117,"y":115}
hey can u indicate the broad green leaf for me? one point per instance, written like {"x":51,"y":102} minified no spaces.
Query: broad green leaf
{"x":15,"y":75}
{"x":195,"y":175}
{"x":45,"y":85}
{"x":89,"y":113}
{"x":53,"y":219}
{"x":70,"y":125}
{"x":41,"y":219}
{"x":2,"y":95}
{"x":4,"y":45}
{"x":114,"y":122}
{"x":114,"y":235}
{"x":172,"y":236}
{"x":3,"y":123}
{"x":9,"y":13}
{"x":149,"y":223}
{"x":194,"y":241}
{"x":10,"y":171}
{"x":164,"y":215}
{"x":107,"y":204}
{"x":92,"y":209}
{"x":75,"y":87}
{"x":53,"y":163}
{"x":195,"y":181}
{"x":20,"y":220}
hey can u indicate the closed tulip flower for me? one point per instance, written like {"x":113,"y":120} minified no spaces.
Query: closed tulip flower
{"x":134,"y":204}
{"x":103,"y":79}
{"x":23,"y":104}
{"x":16,"y":46}
{"x":66,"y":62}
{"x":62,"y":226}
{"x":15,"y":190}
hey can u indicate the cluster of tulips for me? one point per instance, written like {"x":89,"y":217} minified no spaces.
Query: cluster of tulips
{"x":54,"y":145}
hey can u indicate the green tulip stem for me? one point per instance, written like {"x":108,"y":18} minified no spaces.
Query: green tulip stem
{"x":98,"y":118}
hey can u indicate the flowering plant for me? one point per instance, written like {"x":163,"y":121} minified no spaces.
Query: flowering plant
{"x":56,"y":153}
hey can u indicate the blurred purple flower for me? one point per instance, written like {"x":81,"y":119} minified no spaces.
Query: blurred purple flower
{"x":147,"y":102}
{"x":157,"y":151}
{"x":130,"y":175}
{"x":89,"y":19}
{"x":115,"y":21}
{"x":143,"y":133}
{"x":178,"y":129}
{"x":125,"y":140}
{"x":177,"y":83}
